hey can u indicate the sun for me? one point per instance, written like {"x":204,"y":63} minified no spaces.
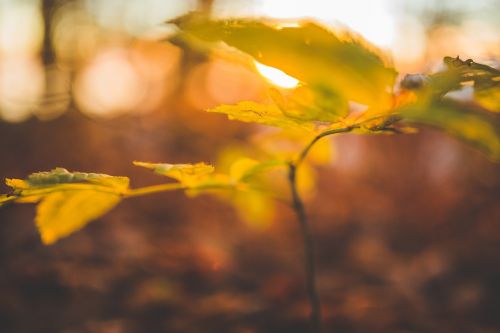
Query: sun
{"x":276,"y":77}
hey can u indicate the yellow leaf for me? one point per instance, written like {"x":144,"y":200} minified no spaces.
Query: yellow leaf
{"x":254,"y":208}
{"x":187,"y":174}
{"x":310,"y":103}
{"x":266,"y":114}
{"x":322,"y":153}
{"x":5,"y":199}
{"x":308,"y":52}
{"x":119,"y":183}
{"x":241,"y":167}
{"x":62,"y":213}
{"x":489,"y":98}
{"x":68,"y":200}
{"x":16,"y":184}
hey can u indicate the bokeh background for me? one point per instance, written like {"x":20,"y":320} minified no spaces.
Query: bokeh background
{"x":407,"y":227}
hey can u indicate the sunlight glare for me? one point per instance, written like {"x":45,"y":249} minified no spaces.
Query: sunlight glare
{"x":371,"y":19}
{"x":276,"y":77}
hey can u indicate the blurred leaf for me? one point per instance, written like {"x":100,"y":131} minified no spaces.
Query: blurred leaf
{"x":68,"y":200}
{"x":310,"y":104}
{"x":471,"y":69}
{"x":486,"y":81}
{"x":310,"y":53}
{"x":255,"y":208}
{"x":266,"y":114}
{"x":244,"y":169}
{"x":322,"y":153}
{"x":241,"y":167}
{"x":462,"y":121}
{"x":188,"y":175}
{"x":487,"y":94}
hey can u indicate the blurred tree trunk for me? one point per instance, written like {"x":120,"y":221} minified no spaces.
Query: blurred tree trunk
{"x":48,"y":8}
{"x":206,"y":5}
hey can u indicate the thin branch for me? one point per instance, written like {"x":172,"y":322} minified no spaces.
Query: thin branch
{"x":310,"y":263}
{"x":306,"y":150}
{"x":305,"y":229}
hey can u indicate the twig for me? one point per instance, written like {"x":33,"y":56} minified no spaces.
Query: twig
{"x":310,"y":264}
{"x":305,"y":229}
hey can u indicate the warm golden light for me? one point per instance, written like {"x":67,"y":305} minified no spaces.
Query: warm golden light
{"x":110,"y":85}
{"x":276,"y":77}
{"x":371,"y":19}
{"x":21,"y":27}
{"x":22,"y":83}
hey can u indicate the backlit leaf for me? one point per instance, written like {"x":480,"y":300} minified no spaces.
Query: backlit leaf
{"x":310,"y":104}
{"x":67,"y":200}
{"x":254,"y":208}
{"x":485,"y":79}
{"x":64,"y":212}
{"x":266,"y":114}
{"x":487,"y":94}
{"x":477,"y":128}
{"x":187,"y":174}
{"x":308,"y":52}
{"x":243,"y":169}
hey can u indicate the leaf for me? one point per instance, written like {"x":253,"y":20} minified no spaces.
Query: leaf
{"x":254,"y":208}
{"x":61,"y":176}
{"x":17,"y":184}
{"x":188,"y":175}
{"x":244,"y":169}
{"x":311,"y":53}
{"x":265,"y":114}
{"x":486,"y":81}
{"x":64,"y":212}
{"x":461,"y":121}
{"x":68,"y":200}
{"x":487,"y":94}
{"x":5,"y":199}
{"x":311,"y":104}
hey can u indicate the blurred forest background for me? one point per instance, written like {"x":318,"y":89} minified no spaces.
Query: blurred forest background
{"x":407,"y":227}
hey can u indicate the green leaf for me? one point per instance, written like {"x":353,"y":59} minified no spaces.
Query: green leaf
{"x":67,"y":200}
{"x":61,"y":176}
{"x":472,"y":126}
{"x":188,"y":175}
{"x":265,"y":114}
{"x":314,"y":55}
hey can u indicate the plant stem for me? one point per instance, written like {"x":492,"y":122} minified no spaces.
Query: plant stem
{"x":310,"y":264}
{"x":153,"y":189}
{"x":306,"y":150}
{"x":305,"y":229}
